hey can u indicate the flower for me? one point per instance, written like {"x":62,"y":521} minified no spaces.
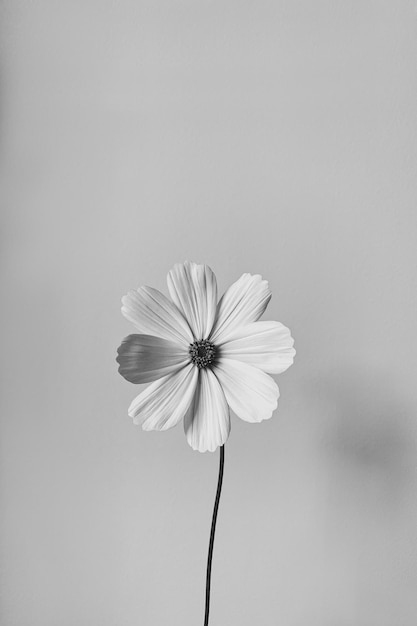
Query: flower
{"x":203,"y":357}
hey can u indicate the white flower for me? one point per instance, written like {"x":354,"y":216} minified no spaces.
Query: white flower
{"x":203,"y":357}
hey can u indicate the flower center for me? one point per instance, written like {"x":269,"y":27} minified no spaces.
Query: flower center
{"x":202,"y":353}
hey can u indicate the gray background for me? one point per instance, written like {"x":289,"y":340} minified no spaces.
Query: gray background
{"x":270,"y":137}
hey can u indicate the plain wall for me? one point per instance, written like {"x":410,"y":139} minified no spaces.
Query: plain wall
{"x":267,"y":137}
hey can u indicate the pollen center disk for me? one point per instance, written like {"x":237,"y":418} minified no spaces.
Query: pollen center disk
{"x":202,"y":353}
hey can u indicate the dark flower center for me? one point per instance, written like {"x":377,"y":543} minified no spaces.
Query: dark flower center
{"x":202,"y":353}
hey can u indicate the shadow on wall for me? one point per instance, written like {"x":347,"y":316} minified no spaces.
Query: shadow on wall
{"x":366,"y":443}
{"x":368,"y":437}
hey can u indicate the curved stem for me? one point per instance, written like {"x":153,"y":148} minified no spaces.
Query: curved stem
{"x":212,"y":532}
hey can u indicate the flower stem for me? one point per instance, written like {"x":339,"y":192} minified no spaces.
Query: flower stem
{"x":212,"y":532}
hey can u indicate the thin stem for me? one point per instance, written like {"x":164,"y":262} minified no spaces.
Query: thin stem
{"x":213,"y":530}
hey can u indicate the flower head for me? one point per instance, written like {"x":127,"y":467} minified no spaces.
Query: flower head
{"x":203,"y":357}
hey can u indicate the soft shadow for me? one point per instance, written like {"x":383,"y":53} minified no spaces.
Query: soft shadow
{"x":368,"y":435}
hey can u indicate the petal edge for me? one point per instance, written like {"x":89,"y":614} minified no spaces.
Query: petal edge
{"x":207,"y":421}
{"x":193,"y":289}
{"x":164,"y":403}
{"x":243,"y":302}
{"x":154,"y":314}
{"x":145,"y":358}
{"x":266,"y":345}
{"x":251,"y":394}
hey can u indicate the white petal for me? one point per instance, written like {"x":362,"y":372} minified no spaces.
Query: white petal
{"x":207,"y":422}
{"x":143,"y":358}
{"x":164,"y":403}
{"x":153,"y":314}
{"x":193,"y":288}
{"x":250,"y":393}
{"x":267,"y":345}
{"x":242,"y":303}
